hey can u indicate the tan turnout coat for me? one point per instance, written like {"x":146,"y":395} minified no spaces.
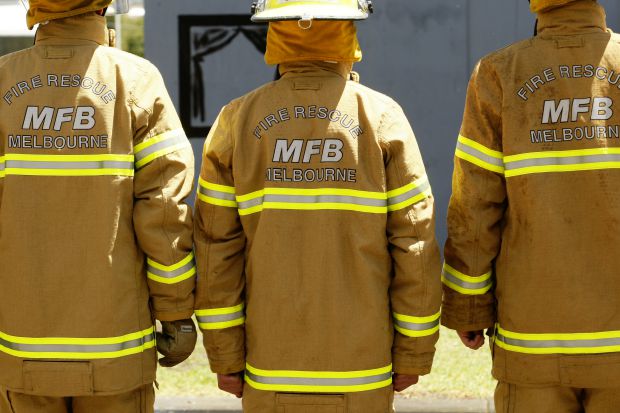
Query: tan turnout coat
{"x":314,"y":238}
{"x":534,"y":219}
{"x":94,"y":168}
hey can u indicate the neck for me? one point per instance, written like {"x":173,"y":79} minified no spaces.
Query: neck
{"x":579,"y":17}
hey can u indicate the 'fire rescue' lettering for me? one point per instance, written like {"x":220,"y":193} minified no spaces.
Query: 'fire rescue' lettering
{"x":283,"y":115}
{"x":98,"y":88}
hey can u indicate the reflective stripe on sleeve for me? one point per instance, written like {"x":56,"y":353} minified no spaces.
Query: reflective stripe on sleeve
{"x":2,"y":173}
{"x":68,"y":165}
{"x":318,"y":381}
{"x":411,"y":326}
{"x":171,"y":274}
{"x":480,"y":155}
{"x":216,"y":194}
{"x":409,"y":194}
{"x":220,"y":318}
{"x":160,"y":145}
{"x":562,"y":161}
{"x":466,"y":284}
{"x":77,"y":348}
{"x":563,"y":343}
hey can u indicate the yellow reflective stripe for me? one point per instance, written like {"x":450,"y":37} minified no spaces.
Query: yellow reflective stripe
{"x":559,"y":343}
{"x":216,"y":187}
{"x":563,"y":168}
{"x":561,"y":154}
{"x":215,"y":194}
{"x":68,"y":158}
{"x":77,"y":348}
{"x":318,"y":381}
{"x":160,"y":145}
{"x":222,"y":324}
{"x":171,"y":274}
{"x":220,"y":311}
{"x":68,"y":165}
{"x":320,"y":374}
{"x":466,"y":284}
{"x":220,"y":318}
{"x":471,"y":151}
{"x":562,"y":161}
{"x":312,"y":199}
{"x":172,"y":267}
{"x":409,"y":194}
{"x":312,"y":192}
{"x":276,"y":4}
{"x":413,"y":326}
{"x":78,"y":356}
{"x":78,"y":341}
{"x":2,"y":172}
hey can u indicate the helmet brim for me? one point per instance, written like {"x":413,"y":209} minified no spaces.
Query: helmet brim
{"x":301,"y":13}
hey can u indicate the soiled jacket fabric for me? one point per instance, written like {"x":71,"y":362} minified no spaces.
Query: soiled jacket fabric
{"x":94,"y":168}
{"x":314,"y":228}
{"x":534,"y":217}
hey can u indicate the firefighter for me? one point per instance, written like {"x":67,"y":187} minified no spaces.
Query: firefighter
{"x":95,"y":236}
{"x":319,"y":283}
{"x":534,"y":218}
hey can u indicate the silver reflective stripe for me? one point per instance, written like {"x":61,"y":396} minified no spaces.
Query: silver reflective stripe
{"x":177,"y":139}
{"x":69,"y":165}
{"x":313,"y":199}
{"x":479,"y":154}
{"x":426,"y":185}
{"x":465,"y":284}
{"x":416,"y":326}
{"x":220,"y":318}
{"x":306,"y":381}
{"x":590,"y":343}
{"x":562,"y":160}
{"x":77,"y":348}
{"x":216,"y":194}
{"x":171,"y":274}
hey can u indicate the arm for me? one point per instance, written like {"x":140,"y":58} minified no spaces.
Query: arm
{"x":220,"y":252}
{"x":475,"y":212}
{"x":163,"y":179}
{"x":415,"y":291}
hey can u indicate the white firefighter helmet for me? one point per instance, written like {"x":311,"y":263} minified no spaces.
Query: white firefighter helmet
{"x":308,"y":10}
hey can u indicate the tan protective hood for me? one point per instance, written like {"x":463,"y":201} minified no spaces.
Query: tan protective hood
{"x":332,"y":41}
{"x":45,"y":10}
{"x":542,"y":5}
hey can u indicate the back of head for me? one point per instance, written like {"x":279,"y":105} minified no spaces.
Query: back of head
{"x":46,"y":10}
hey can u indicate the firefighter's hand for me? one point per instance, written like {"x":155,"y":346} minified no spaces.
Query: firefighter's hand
{"x":404,"y":381}
{"x":231,"y":383}
{"x":472,"y":339}
{"x":176,"y":342}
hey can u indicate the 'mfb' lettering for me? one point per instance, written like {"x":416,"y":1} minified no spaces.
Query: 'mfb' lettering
{"x":330,"y":150}
{"x":561,"y":111}
{"x":82,"y":118}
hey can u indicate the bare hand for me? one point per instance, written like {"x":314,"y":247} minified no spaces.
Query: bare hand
{"x":231,"y":383}
{"x":472,"y":339}
{"x":404,"y":381}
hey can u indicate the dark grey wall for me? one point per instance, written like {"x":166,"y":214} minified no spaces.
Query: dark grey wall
{"x":420,"y":52}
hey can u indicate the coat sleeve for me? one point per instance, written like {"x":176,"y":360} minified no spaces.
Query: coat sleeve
{"x":220,"y":251}
{"x":415,"y":291}
{"x":164,"y":174}
{"x":476,"y":208}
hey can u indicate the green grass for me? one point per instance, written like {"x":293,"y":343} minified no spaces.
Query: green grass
{"x":457,"y":373}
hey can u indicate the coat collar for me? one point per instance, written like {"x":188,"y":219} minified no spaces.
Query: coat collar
{"x":86,"y":28}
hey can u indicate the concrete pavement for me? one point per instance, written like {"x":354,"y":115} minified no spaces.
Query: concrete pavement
{"x":231,"y":405}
